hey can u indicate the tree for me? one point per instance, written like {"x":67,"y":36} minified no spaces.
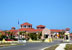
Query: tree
{"x":39,"y":35}
{"x":0,"y":36}
{"x":61,"y":34}
{"x":33,"y":36}
{"x":22,"y":33}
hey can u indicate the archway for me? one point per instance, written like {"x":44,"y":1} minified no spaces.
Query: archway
{"x":46,"y":33}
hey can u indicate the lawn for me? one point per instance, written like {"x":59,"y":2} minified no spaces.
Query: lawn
{"x":68,"y":47}
{"x":52,"y":47}
{"x":9,"y":44}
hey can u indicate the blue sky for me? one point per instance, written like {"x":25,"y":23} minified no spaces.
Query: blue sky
{"x":54,"y":14}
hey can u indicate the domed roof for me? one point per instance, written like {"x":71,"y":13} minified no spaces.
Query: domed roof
{"x":13,"y":27}
{"x":67,"y":29}
{"x":40,"y":26}
{"x":26,"y":24}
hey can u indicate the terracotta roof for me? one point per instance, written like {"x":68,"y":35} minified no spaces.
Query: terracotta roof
{"x":55,"y":30}
{"x":12,"y":31}
{"x":63,"y":30}
{"x":70,"y":34}
{"x":39,"y":30}
{"x":27,"y":29}
{"x":0,"y":31}
{"x":13,"y":27}
{"x":3,"y":33}
{"x":26,"y":24}
{"x":67,"y":29}
{"x":40,"y":26}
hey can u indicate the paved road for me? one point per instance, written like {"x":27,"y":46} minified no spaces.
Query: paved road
{"x":31,"y":46}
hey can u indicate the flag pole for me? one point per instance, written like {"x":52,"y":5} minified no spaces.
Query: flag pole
{"x":18,"y":30}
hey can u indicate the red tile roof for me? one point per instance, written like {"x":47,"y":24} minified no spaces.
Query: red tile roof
{"x":0,"y":31}
{"x":39,"y":30}
{"x":40,"y":26}
{"x":3,"y":33}
{"x":67,"y":29}
{"x":13,"y":31}
{"x":52,"y":30}
{"x":26,"y":24}
{"x":63,"y":30}
{"x":27,"y":29}
{"x":13,"y":27}
{"x":70,"y":34}
{"x":33,"y":30}
{"x":55,"y":30}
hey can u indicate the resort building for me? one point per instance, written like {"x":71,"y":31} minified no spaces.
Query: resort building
{"x":27,"y":27}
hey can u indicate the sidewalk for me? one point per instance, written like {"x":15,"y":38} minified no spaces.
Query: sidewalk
{"x":61,"y":46}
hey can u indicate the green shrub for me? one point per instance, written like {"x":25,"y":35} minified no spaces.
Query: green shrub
{"x":39,"y":35}
{"x":33,"y":36}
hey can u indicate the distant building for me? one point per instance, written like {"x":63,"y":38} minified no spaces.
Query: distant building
{"x":40,"y":27}
{"x":55,"y":30}
{"x":27,"y":27}
{"x":13,"y":28}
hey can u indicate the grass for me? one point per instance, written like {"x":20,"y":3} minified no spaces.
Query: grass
{"x":52,"y":47}
{"x":9,"y":44}
{"x":68,"y":47}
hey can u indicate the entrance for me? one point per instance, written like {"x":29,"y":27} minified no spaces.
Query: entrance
{"x":46,"y":35}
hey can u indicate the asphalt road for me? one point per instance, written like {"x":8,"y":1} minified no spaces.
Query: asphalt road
{"x":31,"y":46}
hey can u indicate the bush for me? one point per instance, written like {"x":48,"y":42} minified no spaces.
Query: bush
{"x":22,"y":32}
{"x":39,"y":35}
{"x":33,"y":36}
{"x":61,"y":34}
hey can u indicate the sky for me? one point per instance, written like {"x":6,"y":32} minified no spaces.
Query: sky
{"x":54,"y":14}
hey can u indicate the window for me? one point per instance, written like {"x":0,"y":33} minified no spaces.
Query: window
{"x":24,"y":26}
{"x":29,"y":26}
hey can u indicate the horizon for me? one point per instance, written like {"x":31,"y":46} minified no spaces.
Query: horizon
{"x":53,"y":14}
